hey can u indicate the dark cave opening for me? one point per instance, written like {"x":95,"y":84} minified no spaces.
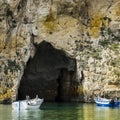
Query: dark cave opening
{"x":49,"y":74}
{"x":64,"y":86}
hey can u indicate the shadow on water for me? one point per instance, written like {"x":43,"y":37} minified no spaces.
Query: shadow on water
{"x":61,"y":111}
{"x":58,"y":106}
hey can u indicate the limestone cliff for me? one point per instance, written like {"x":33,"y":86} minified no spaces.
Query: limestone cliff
{"x":81,"y":39}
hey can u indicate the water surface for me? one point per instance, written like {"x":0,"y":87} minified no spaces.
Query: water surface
{"x":61,"y":111}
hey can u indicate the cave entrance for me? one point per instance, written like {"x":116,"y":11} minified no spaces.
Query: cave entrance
{"x":49,"y":74}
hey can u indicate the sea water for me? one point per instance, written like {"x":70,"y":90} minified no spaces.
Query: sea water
{"x":61,"y":111}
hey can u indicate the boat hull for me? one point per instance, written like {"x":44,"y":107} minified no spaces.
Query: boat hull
{"x":115,"y":104}
{"x":106,"y":102}
{"x":24,"y":104}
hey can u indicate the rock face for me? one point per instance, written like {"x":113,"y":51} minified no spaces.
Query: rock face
{"x":84,"y":33}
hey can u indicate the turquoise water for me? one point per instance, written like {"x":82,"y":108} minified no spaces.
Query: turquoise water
{"x":61,"y":111}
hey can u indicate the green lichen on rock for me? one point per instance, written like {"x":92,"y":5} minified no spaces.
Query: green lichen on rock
{"x":12,"y":66}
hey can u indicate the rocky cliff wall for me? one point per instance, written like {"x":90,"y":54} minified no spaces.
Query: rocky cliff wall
{"x":85,"y":30}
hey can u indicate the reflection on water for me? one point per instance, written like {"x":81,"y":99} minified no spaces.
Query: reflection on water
{"x":61,"y":111}
{"x":5,"y":112}
{"x":100,"y":113}
{"x":25,"y":114}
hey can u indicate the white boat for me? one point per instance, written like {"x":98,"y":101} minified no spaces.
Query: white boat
{"x":27,"y":104}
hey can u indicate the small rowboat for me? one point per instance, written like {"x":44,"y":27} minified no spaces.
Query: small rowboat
{"x":27,"y":104}
{"x":106,"y":102}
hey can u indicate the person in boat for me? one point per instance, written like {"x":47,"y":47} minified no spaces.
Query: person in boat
{"x":28,"y":100}
{"x":36,"y":97}
{"x":112,"y":101}
{"x":27,"y":97}
{"x":35,"y":100}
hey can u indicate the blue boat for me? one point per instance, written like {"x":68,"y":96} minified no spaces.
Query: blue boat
{"x":106,"y":102}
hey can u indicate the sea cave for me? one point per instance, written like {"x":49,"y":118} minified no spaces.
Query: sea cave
{"x":50,"y":74}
